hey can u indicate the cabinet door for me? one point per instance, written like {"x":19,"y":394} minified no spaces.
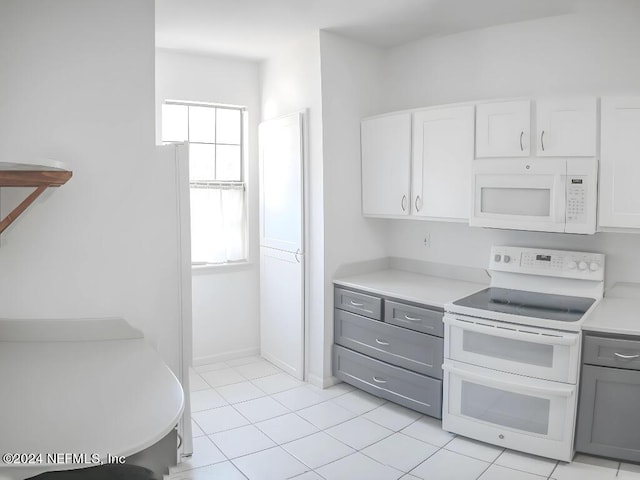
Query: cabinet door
{"x":619,"y":200}
{"x":442,"y":156}
{"x":608,"y":421}
{"x":386,"y":160}
{"x":503,"y":129}
{"x":566,"y":127}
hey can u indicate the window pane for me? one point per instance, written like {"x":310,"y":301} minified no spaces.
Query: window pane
{"x":202,"y":161}
{"x":174,"y":123}
{"x":202,"y":124}
{"x":228,"y":162}
{"x":229,"y":126}
{"x":217,"y":225}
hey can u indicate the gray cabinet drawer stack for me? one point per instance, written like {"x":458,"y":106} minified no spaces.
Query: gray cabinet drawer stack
{"x":608,"y":421}
{"x":389,"y":348}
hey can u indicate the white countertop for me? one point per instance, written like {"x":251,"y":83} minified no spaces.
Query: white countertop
{"x":615,"y":315}
{"x":411,"y":287}
{"x":618,"y":312}
{"x":103,"y":392}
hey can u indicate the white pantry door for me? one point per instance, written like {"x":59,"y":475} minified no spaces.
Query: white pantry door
{"x":282,"y":289}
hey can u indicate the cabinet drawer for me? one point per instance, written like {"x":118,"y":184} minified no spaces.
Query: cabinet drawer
{"x":419,"y":319}
{"x":398,"y":346}
{"x":612,"y":352}
{"x":356,"y":302}
{"x":401,"y":386}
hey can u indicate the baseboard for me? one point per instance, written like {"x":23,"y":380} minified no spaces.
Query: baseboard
{"x":322,"y":382}
{"x":223,"y":357}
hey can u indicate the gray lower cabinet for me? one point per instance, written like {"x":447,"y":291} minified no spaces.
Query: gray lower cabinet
{"x":389,"y":348}
{"x":608,"y":420}
{"x":399,"y":385}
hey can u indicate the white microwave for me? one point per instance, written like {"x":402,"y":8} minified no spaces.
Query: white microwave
{"x":545,"y":195}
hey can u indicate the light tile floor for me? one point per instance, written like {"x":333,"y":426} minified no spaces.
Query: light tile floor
{"x":253,"y":421}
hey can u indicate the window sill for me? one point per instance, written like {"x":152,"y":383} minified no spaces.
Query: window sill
{"x":209,"y":268}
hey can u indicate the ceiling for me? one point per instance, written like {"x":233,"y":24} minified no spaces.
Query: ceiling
{"x":258,"y":29}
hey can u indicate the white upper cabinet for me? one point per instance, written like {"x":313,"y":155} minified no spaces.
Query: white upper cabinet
{"x":566,"y":127}
{"x":619,"y":196}
{"x":442,"y":156}
{"x":386,"y":164}
{"x":503,"y":129}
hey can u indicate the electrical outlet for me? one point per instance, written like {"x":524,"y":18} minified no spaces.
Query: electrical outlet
{"x":426,"y":241}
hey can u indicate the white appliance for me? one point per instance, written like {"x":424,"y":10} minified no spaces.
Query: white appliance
{"x":173,"y":164}
{"x":512,"y":351}
{"x":282,"y":256}
{"x":547,"y":194}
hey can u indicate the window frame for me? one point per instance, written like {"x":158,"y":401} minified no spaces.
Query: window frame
{"x":242,"y":183}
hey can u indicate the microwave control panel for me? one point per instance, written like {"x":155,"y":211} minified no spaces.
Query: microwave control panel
{"x":554,"y":263}
{"x":576,"y":199}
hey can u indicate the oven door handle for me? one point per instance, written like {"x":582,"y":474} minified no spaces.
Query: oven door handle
{"x":510,"y":386}
{"x":570,"y":339}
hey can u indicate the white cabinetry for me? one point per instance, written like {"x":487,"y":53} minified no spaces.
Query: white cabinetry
{"x":566,"y":127}
{"x":619,"y":198}
{"x":442,"y":156}
{"x":502,"y":129}
{"x":386,"y":163}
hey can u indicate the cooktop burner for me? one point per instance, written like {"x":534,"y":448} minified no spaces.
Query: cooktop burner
{"x":562,"y":308}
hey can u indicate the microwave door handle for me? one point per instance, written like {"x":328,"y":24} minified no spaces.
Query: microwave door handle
{"x":508,"y":385}
{"x":569,"y":340}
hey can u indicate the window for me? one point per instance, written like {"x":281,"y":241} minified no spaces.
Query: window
{"x":216,"y":176}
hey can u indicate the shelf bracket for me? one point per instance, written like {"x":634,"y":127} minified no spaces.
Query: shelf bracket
{"x":15,"y":213}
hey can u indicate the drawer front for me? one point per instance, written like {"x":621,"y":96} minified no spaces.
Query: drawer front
{"x":419,"y":319}
{"x":396,"y":384}
{"x":608,"y":421}
{"x":612,"y":352}
{"x":398,"y":346}
{"x":356,"y":302}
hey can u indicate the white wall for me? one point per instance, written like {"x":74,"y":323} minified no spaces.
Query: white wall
{"x":581,"y":54}
{"x":77,"y":86}
{"x":225,"y":299}
{"x":290,"y":82}
{"x":351,"y":89}
{"x":585,"y":54}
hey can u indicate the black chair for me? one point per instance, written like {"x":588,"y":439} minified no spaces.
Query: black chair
{"x":103,"y":472}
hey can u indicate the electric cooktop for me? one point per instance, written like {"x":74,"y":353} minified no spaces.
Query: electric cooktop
{"x":548,"y":306}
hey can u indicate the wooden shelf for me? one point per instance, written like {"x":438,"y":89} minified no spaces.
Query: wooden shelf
{"x":40,"y":176}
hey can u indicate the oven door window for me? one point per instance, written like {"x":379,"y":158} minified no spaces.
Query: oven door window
{"x":523,"y":350}
{"x":507,"y":409}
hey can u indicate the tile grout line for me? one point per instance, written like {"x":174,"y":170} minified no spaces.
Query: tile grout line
{"x":325,"y":431}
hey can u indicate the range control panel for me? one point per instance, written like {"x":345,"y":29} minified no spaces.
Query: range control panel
{"x":554,"y":263}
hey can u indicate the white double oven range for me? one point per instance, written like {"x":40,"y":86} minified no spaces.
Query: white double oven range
{"x":512,"y":351}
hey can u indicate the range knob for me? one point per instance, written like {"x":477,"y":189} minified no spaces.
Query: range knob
{"x":507,"y":259}
{"x":582,"y":265}
{"x":593,"y":266}
{"x":497,"y":257}
{"x":572,"y":265}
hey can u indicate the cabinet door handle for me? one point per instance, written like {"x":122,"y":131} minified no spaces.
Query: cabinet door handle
{"x":411,"y":319}
{"x":296,"y":255}
{"x":416,"y":203}
{"x":378,"y":380}
{"x":626,"y":357}
{"x":542,"y":140}
{"x":381,"y":342}
{"x":355,"y":304}
{"x":403,"y":204}
{"x":521,"y":135}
